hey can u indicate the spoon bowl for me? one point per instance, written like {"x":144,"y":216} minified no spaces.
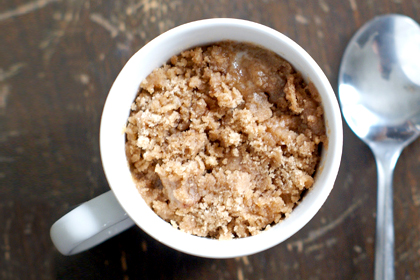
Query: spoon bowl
{"x":379,"y":93}
{"x":379,"y":80}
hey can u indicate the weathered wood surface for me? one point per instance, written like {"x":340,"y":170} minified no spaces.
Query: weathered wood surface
{"x":58,"y":59}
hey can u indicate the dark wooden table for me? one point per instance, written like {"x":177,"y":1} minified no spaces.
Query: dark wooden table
{"x":58,"y":59}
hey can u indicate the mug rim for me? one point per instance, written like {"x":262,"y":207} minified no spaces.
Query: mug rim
{"x":112,"y":148}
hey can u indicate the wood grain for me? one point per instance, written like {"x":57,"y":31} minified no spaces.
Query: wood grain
{"x":58,"y":59}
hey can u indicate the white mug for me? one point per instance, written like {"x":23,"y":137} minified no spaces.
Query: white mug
{"x":111,"y":213}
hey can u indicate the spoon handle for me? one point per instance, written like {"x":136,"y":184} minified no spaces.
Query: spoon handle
{"x":386,"y":159}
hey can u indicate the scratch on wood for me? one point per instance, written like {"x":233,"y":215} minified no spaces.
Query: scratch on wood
{"x":5,"y":135}
{"x":324,"y":6}
{"x":415,"y":195}
{"x":57,"y":16}
{"x":327,"y":69}
{"x":12,"y":71}
{"x":298,"y":244}
{"x":240,"y":274}
{"x":174,"y":4}
{"x":273,"y":265}
{"x":404,"y":256}
{"x":4,"y":94}
{"x":50,"y":39}
{"x":83,"y":78}
{"x":146,"y":6}
{"x":321,"y":231}
{"x":353,"y":5}
{"x":320,"y":34}
{"x":142,"y":34}
{"x":123,"y":47}
{"x":49,"y":44}
{"x":6,"y":239}
{"x":25,"y":8}
{"x":97,"y":18}
{"x":330,"y":242}
{"x":315,"y":234}
{"x":68,"y":16}
{"x":314,"y":247}
{"x":359,"y":258}
{"x":165,"y":25}
{"x":161,"y":25}
{"x":319,"y":257}
{"x":6,"y":248}
{"x":92,"y":180}
{"x":410,"y":248}
{"x":357,"y":249}
{"x":317,"y":20}
{"x":144,"y":246}
{"x":6,"y":159}
{"x":28,"y":229}
{"x":123,"y":261}
{"x":301,"y":19}
{"x":348,"y":181}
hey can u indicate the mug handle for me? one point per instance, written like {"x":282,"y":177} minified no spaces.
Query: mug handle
{"x":90,"y":224}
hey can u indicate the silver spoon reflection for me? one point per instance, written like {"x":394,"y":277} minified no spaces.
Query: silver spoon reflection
{"x":379,"y":92}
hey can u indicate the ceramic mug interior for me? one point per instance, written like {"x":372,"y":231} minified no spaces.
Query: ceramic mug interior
{"x":154,"y":55}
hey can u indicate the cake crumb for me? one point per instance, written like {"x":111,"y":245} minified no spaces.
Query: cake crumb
{"x":224,"y":139}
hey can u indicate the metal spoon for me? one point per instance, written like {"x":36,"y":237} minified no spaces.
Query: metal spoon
{"x":379,"y":92}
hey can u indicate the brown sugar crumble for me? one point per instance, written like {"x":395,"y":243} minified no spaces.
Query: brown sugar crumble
{"x":223,"y":139}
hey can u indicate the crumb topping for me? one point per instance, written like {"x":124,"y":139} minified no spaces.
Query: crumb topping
{"x":223,"y":139}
